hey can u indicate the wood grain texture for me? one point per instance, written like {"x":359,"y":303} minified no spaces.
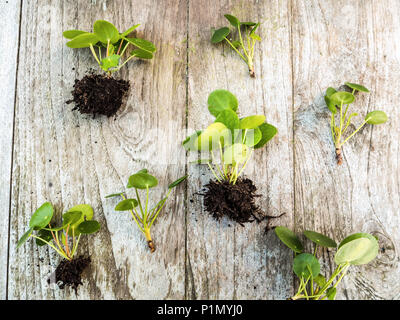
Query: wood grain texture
{"x":59,"y":155}
{"x":9,"y":35}
{"x":226,"y":260}
{"x":66,"y":158}
{"x":334,"y":42}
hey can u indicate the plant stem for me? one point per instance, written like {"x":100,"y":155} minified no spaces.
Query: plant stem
{"x":134,"y":216}
{"x":94,"y":54}
{"x":75,"y":247}
{"x":149,"y":241}
{"x":49,"y":244}
{"x":140,"y":204}
{"x":365,"y":121}
{"x":212,"y":170}
{"x":234,"y":48}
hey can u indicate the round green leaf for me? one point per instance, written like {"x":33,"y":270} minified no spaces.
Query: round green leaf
{"x":370,"y":254}
{"x":45,"y":235}
{"x":129,"y":30}
{"x":106,"y":31}
{"x":219,"y":100}
{"x":253,"y":136}
{"x":376,"y":117}
{"x":87,"y":214}
{"x":229,"y":118}
{"x":357,"y":87}
{"x":320,"y":239}
{"x":305,"y":265}
{"x":70,"y":34}
{"x":177,"y":182}
{"x":71,"y":217}
{"x":87,"y":227}
{"x":235,"y":154}
{"x":142,"y":180}
{"x":142,"y":44}
{"x":358,"y":251}
{"x":289,"y":238}
{"x":42,"y":216}
{"x":25,"y":237}
{"x":114,"y":195}
{"x":126,"y":205}
{"x":189,"y":142}
{"x":320,"y":280}
{"x":330,"y":91}
{"x":211,"y":137}
{"x":268,"y":131}
{"x":142,"y":54}
{"x":109,"y":62}
{"x":331,"y":293}
{"x":252,"y":122}
{"x":341,"y":97}
{"x":232,"y":20}
{"x":220,"y":35}
{"x":83,"y":41}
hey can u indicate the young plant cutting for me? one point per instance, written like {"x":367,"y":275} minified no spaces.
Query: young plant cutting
{"x":356,"y":249}
{"x":245,"y":42}
{"x":102,"y":94}
{"x":340,"y":121}
{"x":228,"y":144}
{"x":64,"y":239}
{"x":143,"y":216}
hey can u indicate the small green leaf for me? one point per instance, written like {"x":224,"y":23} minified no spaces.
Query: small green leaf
{"x":357,"y":87}
{"x":109,"y":62}
{"x":236,"y":44}
{"x":220,"y":35}
{"x":320,"y":239}
{"x":249,"y":23}
{"x":114,"y":195}
{"x":142,"y":54}
{"x":252,"y":122}
{"x":331,"y":105}
{"x":341,"y":97}
{"x":42,"y":216}
{"x":289,"y":238}
{"x":189,"y":142}
{"x":83,"y":41}
{"x":87,"y":214}
{"x":320,"y":280}
{"x":331,"y":293}
{"x":232,"y":20}
{"x":70,"y":34}
{"x":25,"y":237}
{"x":127,"y":32}
{"x":177,"y":182}
{"x":229,"y":118}
{"x":268,"y":132}
{"x":87,"y":227}
{"x":305,"y":265}
{"x":215,"y":134}
{"x":330,"y":91}
{"x":255,"y":36}
{"x":376,"y":117}
{"x":142,"y":44}
{"x":235,"y":154}
{"x":126,"y":205}
{"x":106,"y":31}
{"x":45,"y":235}
{"x":253,"y":136}
{"x":254,"y":29}
{"x":219,"y":100}
{"x":142,"y":180}
{"x":366,"y":251}
{"x":71,"y":217}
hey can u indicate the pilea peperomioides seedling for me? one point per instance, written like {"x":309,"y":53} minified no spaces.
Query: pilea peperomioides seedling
{"x":356,"y":249}
{"x":337,"y":100}
{"x":140,"y":211}
{"x":244,"y":44}
{"x":228,"y":144}
{"x":64,"y":239}
{"x":99,"y":94}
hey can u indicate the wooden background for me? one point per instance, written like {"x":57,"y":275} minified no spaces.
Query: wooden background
{"x":50,"y":153}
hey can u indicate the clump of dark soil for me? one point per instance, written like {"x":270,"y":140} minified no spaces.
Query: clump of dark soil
{"x":98,"y":94}
{"x":68,"y":273}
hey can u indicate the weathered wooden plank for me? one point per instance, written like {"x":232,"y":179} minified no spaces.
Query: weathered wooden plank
{"x":9,"y":34}
{"x":334,"y":42}
{"x":224,"y":260}
{"x":67,"y":158}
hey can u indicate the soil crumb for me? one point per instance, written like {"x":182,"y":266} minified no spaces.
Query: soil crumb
{"x":237,"y":202}
{"x":68,"y":273}
{"x":98,"y":94}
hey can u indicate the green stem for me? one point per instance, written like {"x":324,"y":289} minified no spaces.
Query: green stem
{"x":241,"y":41}
{"x":212,"y":170}
{"x":244,"y":166}
{"x":244,"y":59}
{"x":94,"y":54}
{"x":140,"y":204}
{"x":75,"y":247}
{"x":159,"y":210}
{"x":365,"y":121}
{"x":51,"y":245}
{"x":131,"y":57}
{"x":147,"y":203}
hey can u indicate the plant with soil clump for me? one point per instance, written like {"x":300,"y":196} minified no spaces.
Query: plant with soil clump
{"x":338,"y":99}
{"x":244,"y":44}
{"x":64,"y":239}
{"x":143,"y":216}
{"x":102,"y":94}
{"x":356,"y":249}
{"x":233,"y":139}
